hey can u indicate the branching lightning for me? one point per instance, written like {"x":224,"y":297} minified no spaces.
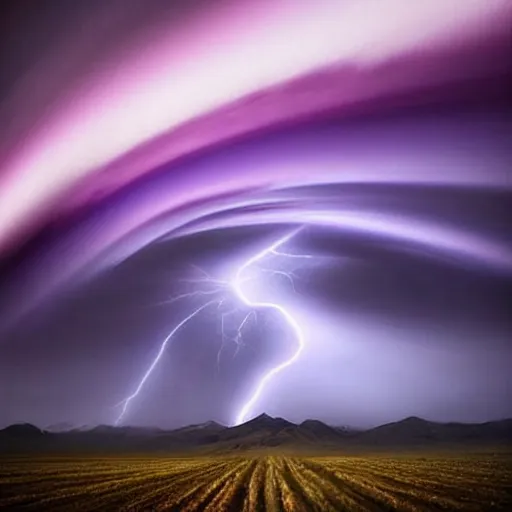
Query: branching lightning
{"x":224,"y":290}
{"x":126,"y":402}
{"x":237,"y":285}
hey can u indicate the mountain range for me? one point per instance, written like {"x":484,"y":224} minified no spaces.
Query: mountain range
{"x":262,"y":432}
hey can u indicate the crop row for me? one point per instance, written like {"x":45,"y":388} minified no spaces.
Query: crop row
{"x":248,"y":484}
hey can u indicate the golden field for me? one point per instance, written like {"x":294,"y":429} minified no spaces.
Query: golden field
{"x":251,"y":483}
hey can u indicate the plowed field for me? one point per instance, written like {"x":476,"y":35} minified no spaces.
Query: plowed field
{"x":258,"y":483}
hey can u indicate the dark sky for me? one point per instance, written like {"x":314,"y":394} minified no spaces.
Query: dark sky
{"x":399,"y":282}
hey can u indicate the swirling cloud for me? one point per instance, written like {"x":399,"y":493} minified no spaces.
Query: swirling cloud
{"x":385,"y":122}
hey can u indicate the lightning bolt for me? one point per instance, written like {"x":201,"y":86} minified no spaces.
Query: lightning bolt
{"x":236,"y":286}
{"x":238,"y":337}
{"x":126,"y":402}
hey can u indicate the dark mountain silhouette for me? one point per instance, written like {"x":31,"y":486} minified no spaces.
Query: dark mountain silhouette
{"x":263,"y":424}
{"x":22,"y":431}
{"x":60,"y":427}
{"x":200,"y":434}
{"x":317,"y":431}
{"x":22,"y":437}
{"x":126,"y":431}
{"x":209,"y":426}
{"x":413,"y":431}
{"x":262,"y":432}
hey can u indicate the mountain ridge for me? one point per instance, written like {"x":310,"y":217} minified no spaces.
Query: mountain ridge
{"x":261,"y":432}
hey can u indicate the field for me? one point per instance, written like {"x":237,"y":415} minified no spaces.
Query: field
{"x":482,"y":482}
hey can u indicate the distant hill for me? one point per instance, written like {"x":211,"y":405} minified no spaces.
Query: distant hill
{"x":209,"y":426}
{"x":60,"y":427}
{"x":22,"y":431}
{"x":317,"y":431}
{"x":417,"y":431}
{"x":262,"y":432}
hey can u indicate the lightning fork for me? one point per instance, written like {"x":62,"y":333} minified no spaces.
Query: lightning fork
{"x":237,"y":286}
{"x":126,"y":402}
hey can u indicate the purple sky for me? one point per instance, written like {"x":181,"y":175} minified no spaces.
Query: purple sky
{"x":146,"y":139}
